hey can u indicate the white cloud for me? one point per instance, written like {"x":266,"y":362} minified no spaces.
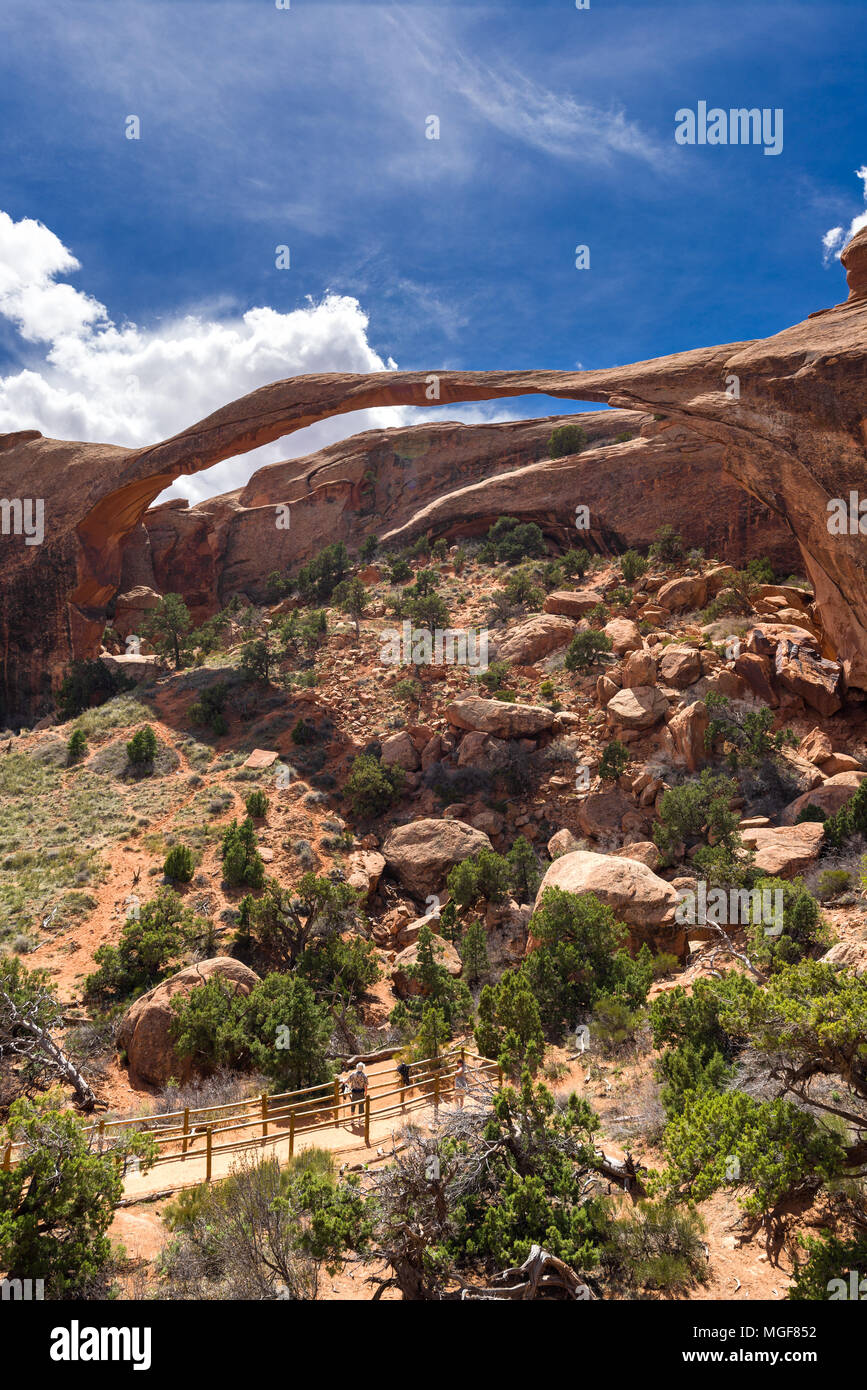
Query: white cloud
{"x":131,"y":385}
{"x":836,"y":239}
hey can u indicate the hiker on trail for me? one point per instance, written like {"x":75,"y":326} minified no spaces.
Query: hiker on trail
{"x":404,"y":1074}
{"x":461,"y":1083}
{"x":358,"y":1087}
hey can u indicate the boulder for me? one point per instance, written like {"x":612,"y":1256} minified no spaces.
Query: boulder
{"x":829,"y":797}
{"x":688,"y":592}
{"x":818,"y":682}
{"x":816,"y":747}
{"x":398,"y":750}
{"x":624,"y":635}
{"x":144,"y":1031}
{"x":497,"y":717}
{"x":636,"y":895}
{"x":756,"y":669}
{"x":785,"y":851}
{"x":134,"y":668}
{"x":764,"y":638}
{"x":639,"y":708}
{"x":134,"y":608}
{"x":685,"y":735}
{"x":644,"y":851}
{"x":364,"y":870}
{"x":534,"y":638}
{"x":572,"y":603}
{"x":483,"y":751}
{"x":638,"y":668}
{"x":562,"y":842}
{"x":420,"y":854}
{"x":606,"y":686}
{"x":848,"y":955}
{"x":679,"y":666}
{"x":601,"y":815}
{"x":717,"y":578}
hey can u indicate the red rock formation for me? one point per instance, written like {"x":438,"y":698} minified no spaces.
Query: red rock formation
{"x":794,"y":435}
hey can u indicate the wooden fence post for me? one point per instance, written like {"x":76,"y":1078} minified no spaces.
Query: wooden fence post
{"x":208,"y":1131}
{"x":264,"y":1117}
{"x":499,"y":1076}
{"x":436,"y":1091}
{"x":292,"y":1131}
{"x":186,"y":1129}
{"x":101,"y":1134}
{"x":367,"y":1120}
{"x":337,"y":1100}
{"x":7,"y":1158}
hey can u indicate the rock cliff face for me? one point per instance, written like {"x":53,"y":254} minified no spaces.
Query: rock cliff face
{"x":785,"y":418}
{"x":454,"y":480}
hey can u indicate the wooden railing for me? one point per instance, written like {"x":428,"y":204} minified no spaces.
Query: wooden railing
{"x":431,"y":1080}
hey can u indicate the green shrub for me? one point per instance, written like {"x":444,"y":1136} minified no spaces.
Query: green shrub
{"x":612,"y":764}
{"x":87,"y":683}
{"x":317,"y":580}
{"x":585,"y":649}
{"x":149,"y":948}
{"x":512,"y":540}
{"x":242,"y":863}
{"x":178,"y":866}
{"x":400,"y":570}
{"x":833,"y":882}
{"x":77,"y":745}
{"x":256,"y":804}
{"x":668,"y":546}
{"x":632,"y":565}
{"x":371,"y":788}
{"x":566,"y":440}
{"x":142,"y":747}
{"x":575,"y":563}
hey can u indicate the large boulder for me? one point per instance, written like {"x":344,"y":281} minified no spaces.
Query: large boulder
{"x":134,"y":608}
{"x":829,"y":797}
{"x":483,"y":751}
{"x":534,"y":638}
{"x":819,"y":682}
{"x":680,"y":594}
{"x":848,"y":955}
{"x":679,"y":666}
{"x":601,"y":815}
{"x":364,"y":870}
{"x":572,"y":603}
{"x":639,"y":708}
{"x":637,"y":896}
{"x":756,"y":670}
{"x":624,"y":636}
{"x":684,"y":735}
{"x":420,"y":854}
{"x":398,"y":750}
{"x":497,"y":717}
{"x":638,"y":668}
{"x":144,"y":1031}
{"x":785,"y":851}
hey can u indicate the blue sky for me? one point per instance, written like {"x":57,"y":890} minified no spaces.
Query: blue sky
{"x":123,"y":316}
